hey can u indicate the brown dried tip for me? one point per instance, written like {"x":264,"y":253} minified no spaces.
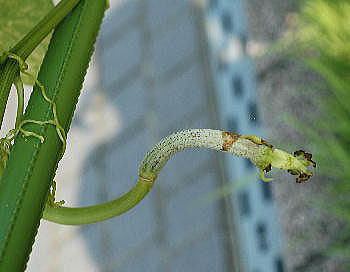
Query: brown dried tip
{"x":307,"y":161}
{"x":268,"y":168}
{"x":267,"y":144}
{"x":306,"y":155}
{"x":303,"y":177}
{"x":229,"y":139}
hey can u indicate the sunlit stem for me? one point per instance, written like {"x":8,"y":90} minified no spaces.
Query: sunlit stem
{"x":254,"y":148}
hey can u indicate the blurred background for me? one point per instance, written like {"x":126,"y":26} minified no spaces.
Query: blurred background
{"x":277,"y":69}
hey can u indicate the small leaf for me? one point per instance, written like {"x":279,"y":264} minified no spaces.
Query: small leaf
{"x":17,"y":17}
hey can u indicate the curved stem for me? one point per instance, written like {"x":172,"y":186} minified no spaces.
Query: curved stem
{"x":30,"y":168}
{"x":96,"y":213}
{"x":259,"y":151}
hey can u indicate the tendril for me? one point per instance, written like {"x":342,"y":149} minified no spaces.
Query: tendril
{"x":59,"y":129}
{"x":6,"y":142}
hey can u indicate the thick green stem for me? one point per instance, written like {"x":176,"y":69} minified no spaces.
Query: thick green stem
{"x":96,"y":213}
{"x":8,"y":72}
{"x":31,"y":166}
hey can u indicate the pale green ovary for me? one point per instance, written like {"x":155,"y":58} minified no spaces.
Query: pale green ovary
{"x":283,"y":160}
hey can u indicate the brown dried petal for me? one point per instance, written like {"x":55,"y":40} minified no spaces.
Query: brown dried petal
{"x":229,"y":139}
{"x":303,"y":177}
{"x":268,"y":168}
{"x":266,"y":143}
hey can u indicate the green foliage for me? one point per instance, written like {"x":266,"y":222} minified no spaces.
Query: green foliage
{"x":323,"y":43}
{"x":9,"y":68}
{"x":17,"y":17}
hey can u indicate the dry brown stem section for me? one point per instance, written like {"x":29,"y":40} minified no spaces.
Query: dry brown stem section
{"x":229,"y":139}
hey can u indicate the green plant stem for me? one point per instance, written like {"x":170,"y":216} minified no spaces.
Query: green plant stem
{"x":96,"y":213}
{"x":9,"y":67}
{"x":8,"y":72}
{"x":259,"y":151}
{"x":31,"y":166}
